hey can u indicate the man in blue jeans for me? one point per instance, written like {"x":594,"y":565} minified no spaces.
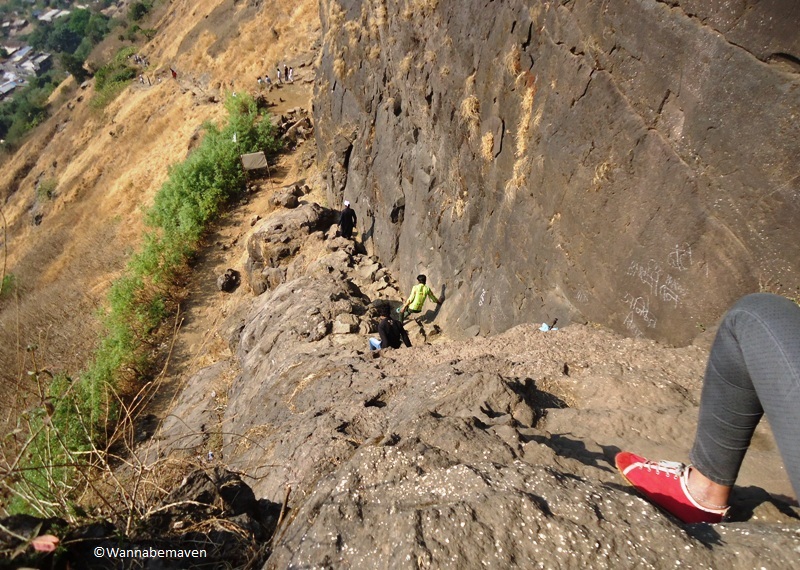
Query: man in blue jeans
{"x":753,"y":368}
{"x":390,"y":331}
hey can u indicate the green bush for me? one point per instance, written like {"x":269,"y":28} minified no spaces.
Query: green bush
{"x":112,"y":78}
{"x":139,"y":10}
{"x":46,"y":189}
{"x":194,"y":194}
{"x":27,"y":109}
{"x":8,"y":285}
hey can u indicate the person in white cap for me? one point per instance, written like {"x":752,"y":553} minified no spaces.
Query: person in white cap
{"x":347,"y":221}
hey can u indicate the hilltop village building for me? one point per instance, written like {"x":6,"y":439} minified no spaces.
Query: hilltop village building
{"x":22,"y":64}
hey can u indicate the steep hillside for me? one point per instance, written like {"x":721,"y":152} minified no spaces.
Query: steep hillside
{"x":461,"y":131}
{"x":631,"y":163}
{"x":64,"y":250}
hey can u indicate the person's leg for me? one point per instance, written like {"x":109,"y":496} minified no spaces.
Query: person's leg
{"x":374,"y":344}
{"x":754,"y":366}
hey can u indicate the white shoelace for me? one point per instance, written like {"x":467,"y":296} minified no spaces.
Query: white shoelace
{"x":673,"y":468}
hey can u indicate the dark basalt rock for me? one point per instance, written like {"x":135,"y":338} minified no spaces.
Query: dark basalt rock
{"x":229,"y":280}
{"x":628,"y":163}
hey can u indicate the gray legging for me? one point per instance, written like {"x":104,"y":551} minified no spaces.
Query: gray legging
{"x":754,"y":367}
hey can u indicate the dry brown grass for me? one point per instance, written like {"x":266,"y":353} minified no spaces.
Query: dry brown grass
{"x":353,"y":30}
{"x":425,"y":6}
{"x":378,"y":15}
{"x":511,"y":61}
{"x":66,"y":264}
{"x":339,"y":68}
{"x":487,"y":147}
{"x":470,"y":108}
{"x":405,"y":64}
{"x":518,"y":177}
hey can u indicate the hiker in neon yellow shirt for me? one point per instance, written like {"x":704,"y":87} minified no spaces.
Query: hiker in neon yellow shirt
{"x":419,"y":293}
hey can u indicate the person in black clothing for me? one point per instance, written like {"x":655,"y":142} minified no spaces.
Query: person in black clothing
{"x":391,"y":331}
{"x":347,"y":221}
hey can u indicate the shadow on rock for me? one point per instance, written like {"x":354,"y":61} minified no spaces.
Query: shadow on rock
{"x":564,"y":446}
{"x":538,"y":400}
{"x":755,"y":503}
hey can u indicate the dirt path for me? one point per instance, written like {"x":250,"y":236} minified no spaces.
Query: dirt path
{"x":198,"y":343}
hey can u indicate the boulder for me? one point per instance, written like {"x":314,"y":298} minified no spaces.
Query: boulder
{"x":276,"y":241}
{"x":229,"y":280}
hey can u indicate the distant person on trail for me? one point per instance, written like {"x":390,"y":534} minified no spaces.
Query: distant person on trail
{"x":278,"y":69}
{"x":390,"y":331}
{"x":286,"y":72}
{"x":419,"y":294}
{"x":291,"y":75}
{"x":753,"y":368}
{"x":347,"y":221}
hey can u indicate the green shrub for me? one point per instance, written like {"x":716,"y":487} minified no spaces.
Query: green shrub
{"x":46,"y":189}
{"x":194,"y":194}
{"x":8,"y":285}
{"x":112,"y":78}
{"x":139,"y":10}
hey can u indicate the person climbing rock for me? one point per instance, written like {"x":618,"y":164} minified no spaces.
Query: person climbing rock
{"x":416,"y":300}
{"x":347,"y":221}
{"x":753,"y":368}
{"x":391,"y":331}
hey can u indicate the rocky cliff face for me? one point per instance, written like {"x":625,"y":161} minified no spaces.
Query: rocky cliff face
{"x":626,"y":162}
{"x":492,"y":452}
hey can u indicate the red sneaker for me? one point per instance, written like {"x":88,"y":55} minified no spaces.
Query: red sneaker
{"x":664,"y":483}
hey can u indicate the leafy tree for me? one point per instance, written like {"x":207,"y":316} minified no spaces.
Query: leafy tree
{"x":63,"y":40}
{"x":138,"y":10}
{"x":84,"y":49}
{"x":78,"y":21}
{"x":97,"y":28}
{"x":74,"y":65}
{"x":37,"y":39}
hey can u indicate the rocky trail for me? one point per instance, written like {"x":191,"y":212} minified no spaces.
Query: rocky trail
{"x":492,"y":451}
{"x":273,"y":438}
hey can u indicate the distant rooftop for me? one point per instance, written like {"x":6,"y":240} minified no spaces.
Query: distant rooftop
{"x":53,"y":14}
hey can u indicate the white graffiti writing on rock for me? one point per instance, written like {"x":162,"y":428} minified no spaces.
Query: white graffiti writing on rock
{"x":681,"y":257}
{"x":649,"y":273}
{"x":641,"y":307}
{"x":630,"y":324}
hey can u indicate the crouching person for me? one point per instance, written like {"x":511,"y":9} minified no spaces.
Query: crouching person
{"x":391,"y":332}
